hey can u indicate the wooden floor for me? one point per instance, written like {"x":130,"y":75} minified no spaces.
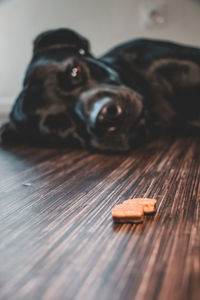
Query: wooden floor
{"x":57,"y":238}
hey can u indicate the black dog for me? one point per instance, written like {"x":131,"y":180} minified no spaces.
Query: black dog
{"x":132,"y":93}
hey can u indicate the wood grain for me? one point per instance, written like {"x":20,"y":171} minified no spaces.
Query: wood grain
{"x":57,"y":237}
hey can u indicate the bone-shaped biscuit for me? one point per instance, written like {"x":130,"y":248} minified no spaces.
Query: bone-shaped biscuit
{"x":132,"y":210}
{"x":128,"y":213}
{"x":148,"y":204}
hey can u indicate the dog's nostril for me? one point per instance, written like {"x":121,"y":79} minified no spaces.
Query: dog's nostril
{"x":112,"y":129}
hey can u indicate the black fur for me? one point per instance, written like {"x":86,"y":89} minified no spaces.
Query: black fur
{"x":134,"y":92}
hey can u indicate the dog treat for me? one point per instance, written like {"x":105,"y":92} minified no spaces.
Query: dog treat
{"x":149,"y":205}
{"x":133,"y":210}
{"x":123,"y":213}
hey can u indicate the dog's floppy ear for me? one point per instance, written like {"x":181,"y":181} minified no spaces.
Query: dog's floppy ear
{"x":8,"y":133}
{"x":14,"y":129}
{"x":60,"y":38}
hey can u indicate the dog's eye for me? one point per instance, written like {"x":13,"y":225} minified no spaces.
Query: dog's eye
{"x":71,"y":78}
{"x":76,"y":75}
{"x":75,"y":72}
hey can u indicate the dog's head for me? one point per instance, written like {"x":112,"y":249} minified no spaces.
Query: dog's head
{"x":68,"y":95}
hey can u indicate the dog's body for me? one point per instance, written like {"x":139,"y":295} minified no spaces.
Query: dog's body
{"x":132,"y":93}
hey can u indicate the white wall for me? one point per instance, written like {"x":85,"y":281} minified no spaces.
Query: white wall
{"x":104,"y":22}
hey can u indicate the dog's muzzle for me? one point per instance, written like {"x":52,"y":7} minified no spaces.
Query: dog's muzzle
{"x":108,"y":116}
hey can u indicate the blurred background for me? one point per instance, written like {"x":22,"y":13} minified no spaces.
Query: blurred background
{"x":104,"y":22}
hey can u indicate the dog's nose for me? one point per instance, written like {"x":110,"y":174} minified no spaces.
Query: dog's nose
{"x":110,"y":112}
{"x":106,"y":115}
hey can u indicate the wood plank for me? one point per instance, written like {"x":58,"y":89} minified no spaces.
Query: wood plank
{"x":57,"y":237}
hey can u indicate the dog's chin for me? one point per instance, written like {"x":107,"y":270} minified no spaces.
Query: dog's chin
{"x":111,"y":145}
